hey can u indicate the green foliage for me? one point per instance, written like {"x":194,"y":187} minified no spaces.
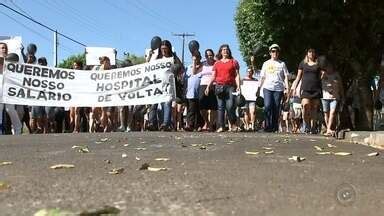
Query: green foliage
{"x":67,"y":63}
{"x":133,"y":59}
{"x":348,"y":33}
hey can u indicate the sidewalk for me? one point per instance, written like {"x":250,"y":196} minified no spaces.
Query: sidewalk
{"x":374,"y":139}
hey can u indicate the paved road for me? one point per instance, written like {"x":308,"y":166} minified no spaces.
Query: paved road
{"x":209,"y":174}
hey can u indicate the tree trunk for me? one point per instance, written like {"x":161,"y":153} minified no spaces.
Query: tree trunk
{"x":364,"y":118}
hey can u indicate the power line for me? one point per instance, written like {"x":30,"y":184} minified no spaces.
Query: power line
{"x":70,"y":14}
{"x":150,"y":10}
{"x":124,"y":11}
{"x":41,"y":24}
{"x":69,"y":50}
{"x":19,"y":8}
{"x":27,"y":27}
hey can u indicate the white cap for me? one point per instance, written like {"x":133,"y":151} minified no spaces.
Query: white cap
{"x":274,"y":46}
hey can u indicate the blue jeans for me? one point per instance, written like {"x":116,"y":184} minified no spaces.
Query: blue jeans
{"x":226,"y":102}
{"x":167,"y":113}
{"x":164,"y":116}
{"x":272,"y":102}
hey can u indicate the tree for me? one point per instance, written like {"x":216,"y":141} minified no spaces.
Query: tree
{"x":134,"y":59}
{"x":346,"y":31}
{"x":67,"y":63}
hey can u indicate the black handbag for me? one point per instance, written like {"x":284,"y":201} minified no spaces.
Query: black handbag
{"x":219,"y":90}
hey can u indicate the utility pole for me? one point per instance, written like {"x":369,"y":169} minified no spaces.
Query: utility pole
{"x":55,"y":43}
{"x":183,"y":35}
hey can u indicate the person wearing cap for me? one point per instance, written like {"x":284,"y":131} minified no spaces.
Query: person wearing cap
{"x":310,"y":74}
{"x":10,"y":108}
{"x":274,"y":81}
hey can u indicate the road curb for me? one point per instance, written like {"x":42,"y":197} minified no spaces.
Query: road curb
{"x":373,"y":139}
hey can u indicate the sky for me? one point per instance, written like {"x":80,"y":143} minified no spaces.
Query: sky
{"x":126,"y":25}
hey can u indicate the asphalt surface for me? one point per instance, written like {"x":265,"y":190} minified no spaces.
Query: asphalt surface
{"x":208,"y":174}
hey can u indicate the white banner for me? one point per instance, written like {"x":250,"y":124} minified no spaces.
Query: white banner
{"x":92,"y":55}
{"x":14,"y":45}
{"x":36,"y":85}
{"x":249,"y":89}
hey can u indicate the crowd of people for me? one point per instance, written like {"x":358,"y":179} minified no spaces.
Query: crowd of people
{"x":208,"y":98}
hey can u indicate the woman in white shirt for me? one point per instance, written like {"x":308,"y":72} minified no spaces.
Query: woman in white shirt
{"x":274,"y":80}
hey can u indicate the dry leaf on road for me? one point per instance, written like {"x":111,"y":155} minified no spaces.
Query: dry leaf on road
{"x":62,"y":166}
{"x":318,"y":148}
{"x":5,"y":163}
{"x":53,"y":212}
{"x":251,"y":152}
{"x":104,"y":139}
{"x":124,"y":155}
{"x":81,"y":148}
{"x":155,"y":169}
{"x":324,"y":153}
{"x":342,"y":153}
{"x":296,"y":158}
{"x":3,"y":185}
{"x":116,"y":171}
{"x":144,"y":166}
{"x":106,"y":210}
{"x":162,"y":159}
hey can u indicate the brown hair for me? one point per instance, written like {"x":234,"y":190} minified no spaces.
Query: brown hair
{"x":306,"y":59}
{"x":220,"y":56}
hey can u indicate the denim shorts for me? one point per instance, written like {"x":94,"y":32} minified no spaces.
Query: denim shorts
{"x":249,"y":104}
{"x":329,"y":104}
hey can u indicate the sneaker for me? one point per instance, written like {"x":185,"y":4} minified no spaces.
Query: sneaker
{"x":220,"y":130}
{"x":120,"y":129}
{"x":128,"y":129}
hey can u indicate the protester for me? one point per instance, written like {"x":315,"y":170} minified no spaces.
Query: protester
{"x":193,"y":76}
{"x":108,"y":113}
{"x":75,"y":111}
{"x":208,"y":103}
{"x":180,"y":101}
{"x":10,"y":108}
{"x":227,"y":77}
{"x":38,"y":116}
{"x":274,"y":81}
{"x":333,"y":92}
{"x":296,"y":113}
{"x":98,"y":119}
{"x":311,"y":74}
{"x":249,"y":109}
{"x":37,"y":113}
{"x":166,"y":107}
